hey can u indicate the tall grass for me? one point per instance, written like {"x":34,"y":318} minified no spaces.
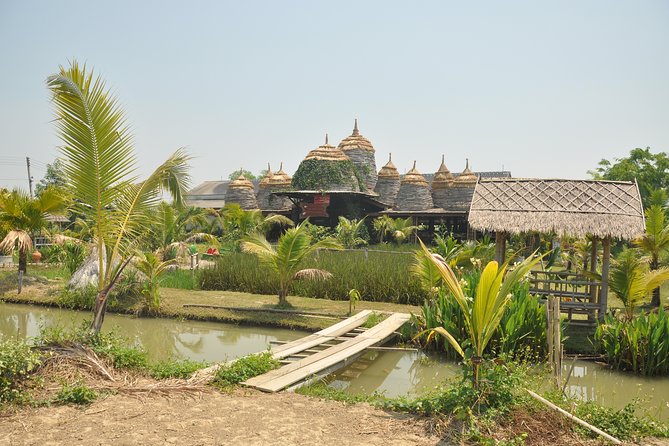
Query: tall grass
{"x":378,"y":276}
{"x":180,"y":278}
{"x":639,"y":345}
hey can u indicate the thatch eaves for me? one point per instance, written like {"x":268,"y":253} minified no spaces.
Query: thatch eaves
{"x":565,"y":207}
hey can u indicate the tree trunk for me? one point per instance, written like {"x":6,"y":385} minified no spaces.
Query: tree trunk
{"x":23,"y":266}
{"x":99,"y":312}
{"x":283,"y":294}
{"x":656,"y":300}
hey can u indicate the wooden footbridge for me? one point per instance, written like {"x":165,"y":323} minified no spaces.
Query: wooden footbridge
{"x":325,"y":351}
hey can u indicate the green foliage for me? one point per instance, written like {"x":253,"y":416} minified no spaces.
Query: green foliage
{"x":54,"y":177}
{"x":247,"y":174}
{"x":316,"y":174}
{"x":650,"y":170}
{"x":17,"y":361}
{"x":153,"y":269}
{"x":237,"y":223}
{"x":349,"y":233}
{"x":379,"y":277}
{"x":77,"y":299}
{"x":353,"y":299}
{"x":179,"y":278}
{"x":175,"y":369}
{"x":398,"y":230}
{"x":639,"y":345}
{"x":245,"y":368}
{"x":77,"y":393}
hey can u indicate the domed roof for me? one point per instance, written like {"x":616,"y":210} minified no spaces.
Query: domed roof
{"x":280,"y":178}
{"x":264,"y":182}
{"x":326,"y":152}
{"x":414,"y":177}
{"x":389,"y":170}
{"x":241,"y":182}
{"x":442,"y":177}
{"x":467,"y":176}
{"x":355,"y":141}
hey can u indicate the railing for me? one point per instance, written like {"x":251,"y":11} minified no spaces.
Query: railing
{"x":577,"y":293}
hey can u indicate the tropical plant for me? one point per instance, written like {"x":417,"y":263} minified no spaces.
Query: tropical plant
{"x":175,"y":228}
{"x":382,"y":226}
{"x":293,"y":247}
{"x":449,"y":248}
{"x":655,"y":242}
{"x":349,"y":232}
{"x":22,"y":216}
{"x":631,"y":280}
{"x":238,"y":223}
{"x":101,"y":169}
{"x":150,"y":265}
{"x":482,"y":312}
{"x":397,"y":229}
{"x":353,"y":299}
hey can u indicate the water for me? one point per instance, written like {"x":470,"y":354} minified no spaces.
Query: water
{"x":161,"y":338}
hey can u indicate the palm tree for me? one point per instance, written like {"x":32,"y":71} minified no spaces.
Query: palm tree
{"x":238,"y":223}
{"x":22,"y":216}
{"x":655,"y":242}
{"x":150,"y":265}
{"x":98,"y":159}
{"x":177,"y":227}
{"x":382,"y":226}
{"x":293,"y":247}
{"x":483,"y":311}
{"x":399,"y":229}
{"x":348,"y":232}
{"x":631,"y":280}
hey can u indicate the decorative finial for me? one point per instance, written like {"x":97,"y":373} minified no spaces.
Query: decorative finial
{"x":281,"y":166}
{"x":268,"y":168}
{"x":355,"y":128}
{"x":326,"y":139}
{"x":390,"y":157}
{"x":466,"y":163}
{"x":442,"y":158}
{"x":414,"y":165}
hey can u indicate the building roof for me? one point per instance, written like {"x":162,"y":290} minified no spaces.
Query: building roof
{"x":389,"y":170}
{"x":414,"y":177}
{"x":355,"y":141}
{"x":326,"y":152}
{"x":467,"y":176}
{"x":565,"y":207}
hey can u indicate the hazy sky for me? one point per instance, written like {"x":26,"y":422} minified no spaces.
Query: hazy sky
{"x":543,"y":88}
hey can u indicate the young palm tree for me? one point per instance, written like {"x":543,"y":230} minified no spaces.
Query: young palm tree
{"x":631,"y":280}
{"x":149,"y":264}
{"x":655,"y":242}
{"x":22,"y":216}
{"x":177,"y":227}
{"x":396,"y":228}
{"x":238,"y":223}
{"x":101,"y":168}
{"x":348,"y":232}
{"x":483,"y":311}
{"x":293,"y":247}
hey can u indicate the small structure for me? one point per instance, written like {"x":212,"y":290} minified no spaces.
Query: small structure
{"x":361,"y":152}
{"x":441,"y":183}
{"x":262,"y":197}
{"x":241,"y":191}
{"x":414,"y":193}
{"x":388,"y":183}
{"x":280,"y":181}
{"x":603,"y":210}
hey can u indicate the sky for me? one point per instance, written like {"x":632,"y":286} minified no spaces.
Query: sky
{"x":540,"y":88}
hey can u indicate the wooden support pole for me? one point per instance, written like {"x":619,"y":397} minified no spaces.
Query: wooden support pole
{"x":500,"y":247}
{"x":604,"y":290}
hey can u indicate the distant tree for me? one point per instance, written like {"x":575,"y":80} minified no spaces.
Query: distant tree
{"x":651,"y":171}
{"x":55,"y":176}
{"x":247,"y":174}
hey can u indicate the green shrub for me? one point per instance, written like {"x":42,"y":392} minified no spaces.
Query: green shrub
{"x":179,"y":278}
{"x":380,"y":277}
{"x":17,"y":361}
{"x":639,"y":345}
{"x":175,"y":369}
{"x":77,"y":393}
{"x":82,"y":299}
{"x":245,"y":368}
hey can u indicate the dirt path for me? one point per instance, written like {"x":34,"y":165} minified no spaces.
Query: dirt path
{"x":243,"y":418}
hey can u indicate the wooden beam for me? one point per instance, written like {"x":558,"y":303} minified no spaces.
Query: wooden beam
{"x":500,"y":247}
{"x":604,"y":290}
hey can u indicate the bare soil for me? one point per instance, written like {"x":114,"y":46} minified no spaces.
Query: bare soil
{"x":243,"y":417}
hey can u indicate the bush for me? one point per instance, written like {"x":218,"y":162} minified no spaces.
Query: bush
{"x":83,"y":299}
{"x":639,"y":345}
{"x":380,"y":277}
{"x":175,"y":369}
{"x":77,"y":393}
{"x":17,"y":361}
{"x":245,"y":368}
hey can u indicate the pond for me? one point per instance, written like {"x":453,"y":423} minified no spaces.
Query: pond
{"x":392,"y":373}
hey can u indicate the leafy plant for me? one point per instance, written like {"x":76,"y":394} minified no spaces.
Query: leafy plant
{"x":353,"y":299}
{"x":17,"y":362}
{"x":293,"y":247}
{"x":77,"y":393}
{"x":245,"y":368}
{"x":101,"y":170}
{"x":314,"y":174}
{"x":349,"y":232}
{"x":655,"y":242}
{"x":148,"y":264}
{"x":175,"y":369}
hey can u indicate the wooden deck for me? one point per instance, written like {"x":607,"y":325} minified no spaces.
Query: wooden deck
{"x":326,"y":351}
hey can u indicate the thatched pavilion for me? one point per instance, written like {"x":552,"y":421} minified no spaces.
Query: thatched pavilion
{"x":414,"y":193}
{"x":603,"y":210}
{"x":242,"y":192}
{"x":388,"y":183}
{"x":361,"y":152}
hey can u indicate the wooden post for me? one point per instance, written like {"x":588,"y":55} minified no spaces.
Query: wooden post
{"x":553,"y":338}
{"x":500,"y":247}
{"x":593,"y":269}
{"x":604,"y":290}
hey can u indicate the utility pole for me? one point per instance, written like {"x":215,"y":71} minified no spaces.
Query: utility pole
{"x":30,"y":178}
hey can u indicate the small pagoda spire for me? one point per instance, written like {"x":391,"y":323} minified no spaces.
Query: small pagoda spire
{"x":390,"y":157}
{"x":414,"y":165}
{"x":281,"y":166}
{"x":442,"y":158}
{"x":326,"y":139}
{"x":466,"y":163}
{"x":356,"y":132}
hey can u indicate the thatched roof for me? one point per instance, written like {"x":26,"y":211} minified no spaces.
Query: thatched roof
{"x":389,"y":170}
{"x":242,"y":192}
{"x":565,"y":207}
{"x":264,"y":181}
{"x":355,"y":141}
{"x":442,"y":177}
{"x":326,"y":152}
{"x":280,"y":178}
{"x":467,"y":176}
{"x":361,"y":152}
{"x":414,"y":177}
{"x":414,"y":193}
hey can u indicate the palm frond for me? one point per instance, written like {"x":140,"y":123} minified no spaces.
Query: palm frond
{"x":312,"y":274}
{"x":16,"y":238}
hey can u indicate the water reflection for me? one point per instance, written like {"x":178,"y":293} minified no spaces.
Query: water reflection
{"x":162,"y":338}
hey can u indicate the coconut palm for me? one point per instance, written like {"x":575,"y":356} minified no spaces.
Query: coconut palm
{"x":383,"y":226}
{"x":632,"y":281}
{"x":22,"y":216}
{"x":482,"y":312}
{"x":176,"y":227}
{"x":293,"y":247}
{"x":238,"y":223}
{"x":150,"y":265}
{"x":348,"y":232}
{"x":399,"y":229}
{"x":98,"y":159}
{"x":655,"y":242}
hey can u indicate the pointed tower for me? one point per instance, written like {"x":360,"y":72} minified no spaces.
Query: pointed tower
{"x":326,"y":168}
{"x":442,"y":181}
{"x":388,"y":183}
{"x":280,"y":181}
{"x":458,"y":197}
{"x":467,"y":177}
{"x":263,"y":189}
{"x":414,"y":193}
{"x":361,"y":152}
{"x":241,"y":191}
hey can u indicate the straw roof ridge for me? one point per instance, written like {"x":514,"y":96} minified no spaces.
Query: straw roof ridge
{"x":574,"y":207}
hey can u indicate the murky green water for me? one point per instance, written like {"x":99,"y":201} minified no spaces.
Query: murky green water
{"x":162,"y":338}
